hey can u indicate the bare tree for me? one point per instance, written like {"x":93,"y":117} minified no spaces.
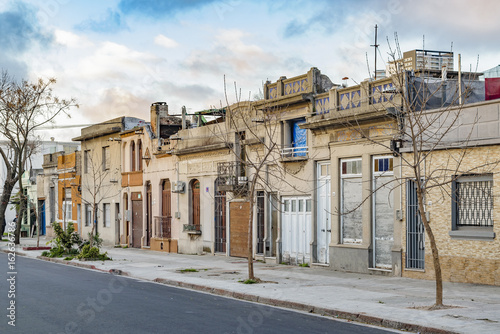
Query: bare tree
{"x":25,"y":107}
{"x":252,"y":133}
{"x":96,"y":187}
{"x":426,"y":107}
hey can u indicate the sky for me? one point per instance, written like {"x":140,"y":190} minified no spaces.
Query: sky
{"x":117,"y":57}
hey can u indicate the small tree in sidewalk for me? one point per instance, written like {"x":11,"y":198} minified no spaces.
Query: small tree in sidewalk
{"x":96,"y":187}
{"x":256,"y":152}
{"x":427,"y":109}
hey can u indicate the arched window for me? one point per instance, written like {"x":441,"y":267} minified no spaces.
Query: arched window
{"x":195,"y":204}
{"x":124,"y":156}
{"x":139,"y":155}
{"x":132,"y":156}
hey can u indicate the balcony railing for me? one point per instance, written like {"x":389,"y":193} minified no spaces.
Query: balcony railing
{"x":163,"y":227}
{"x":231,"y":176}
{"x":292,"y":152}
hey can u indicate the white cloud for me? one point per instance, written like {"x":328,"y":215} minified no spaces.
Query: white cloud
{"x":71,"y":40}
{"x":166,"y":42}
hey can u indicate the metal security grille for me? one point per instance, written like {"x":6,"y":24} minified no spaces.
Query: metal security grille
{"x":260,"y":222}
{"x":474,"y":202}
{"x":415,"y":238}
{"x":220,"y":218}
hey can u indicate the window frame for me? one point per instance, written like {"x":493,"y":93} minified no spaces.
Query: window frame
{"x":466,"y":231}
{"x":106,"y":158}
{"x":343,"y":176}
{"x":106,"y":215}
{"x":86,"y":159}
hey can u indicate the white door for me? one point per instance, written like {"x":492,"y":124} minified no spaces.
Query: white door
{"x":383,"y":212}
{"x":296,"y":229}
{"x":323,"y":228}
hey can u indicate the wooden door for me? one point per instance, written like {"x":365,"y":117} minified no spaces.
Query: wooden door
{"x":166,"y":209}
{"x":149,"y":218}
{"x":238,"y":228}
{"x":166,"y":199}
{"x":196,"y":204}
{"x":137,"y":224}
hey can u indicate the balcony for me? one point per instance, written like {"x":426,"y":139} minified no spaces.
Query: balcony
{"x":130,"y":179}
{"x":232,"y":177}
{"x":163,"y":227}
{"x":191,"y":229}
{"x":294,"y":153}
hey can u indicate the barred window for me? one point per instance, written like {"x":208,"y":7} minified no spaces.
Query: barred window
{"x":473,"y":201}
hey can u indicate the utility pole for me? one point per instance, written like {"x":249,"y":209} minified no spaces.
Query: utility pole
{"x":376,"y":46}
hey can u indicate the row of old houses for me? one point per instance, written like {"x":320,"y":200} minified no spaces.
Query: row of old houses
{"x":324,"y":171}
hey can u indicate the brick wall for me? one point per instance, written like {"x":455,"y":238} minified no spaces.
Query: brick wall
{"x":467,"y":261}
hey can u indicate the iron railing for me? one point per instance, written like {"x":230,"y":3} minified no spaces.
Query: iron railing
{"x":163,"y":227}
{"x":289,"y":152}
{"x":191,"y":228}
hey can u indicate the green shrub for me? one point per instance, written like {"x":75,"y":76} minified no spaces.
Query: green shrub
{"x":97,"y":241}
{"x":92,"y":253}
{"x":54,"y":252}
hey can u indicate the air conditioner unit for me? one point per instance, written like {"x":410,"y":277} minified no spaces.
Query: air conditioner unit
{"x":178,"y":187}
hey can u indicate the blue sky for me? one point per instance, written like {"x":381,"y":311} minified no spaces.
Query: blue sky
{"x":117,"y":57}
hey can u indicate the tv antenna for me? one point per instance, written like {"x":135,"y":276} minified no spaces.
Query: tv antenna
{"x":375,"y":46}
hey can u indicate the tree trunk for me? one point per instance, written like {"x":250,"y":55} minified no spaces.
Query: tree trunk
{"x":4,"y":201}
{"x":91,"y":237}
{"x":250,"y":230}
{"x":22,"y":210}
{"x":434,"y":249}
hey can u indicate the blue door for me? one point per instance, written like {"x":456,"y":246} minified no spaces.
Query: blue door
{"x":299,"y":136}
{"x":43,"y":218}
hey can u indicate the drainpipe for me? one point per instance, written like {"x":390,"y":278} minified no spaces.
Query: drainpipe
{"x":178,"y":215}
{"x":459,"y":79}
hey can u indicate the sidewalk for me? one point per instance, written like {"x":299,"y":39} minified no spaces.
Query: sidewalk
{"x":389,"y":301}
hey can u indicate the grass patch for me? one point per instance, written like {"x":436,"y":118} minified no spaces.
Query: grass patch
{"x":189,"y":270}
{"x":248,"y":281}
{"x":304,"y":265}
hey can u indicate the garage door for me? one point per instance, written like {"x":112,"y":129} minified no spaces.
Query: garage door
{"x":296,"y":229}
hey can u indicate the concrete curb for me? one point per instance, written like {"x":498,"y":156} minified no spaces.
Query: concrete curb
{"x":334,"y":313}
{"x":357,"y":317}
{"x":76,"y":264}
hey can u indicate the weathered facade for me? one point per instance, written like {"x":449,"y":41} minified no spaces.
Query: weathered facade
{"x":101,"y":177}
{"x":58,"y":191}
{"x":353,"y":131}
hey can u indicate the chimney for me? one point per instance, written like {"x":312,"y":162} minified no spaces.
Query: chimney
{"x":158,"y":111}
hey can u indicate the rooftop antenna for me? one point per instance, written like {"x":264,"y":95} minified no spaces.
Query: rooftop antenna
{"x":451,"y":49}
{"x":375,"y":46}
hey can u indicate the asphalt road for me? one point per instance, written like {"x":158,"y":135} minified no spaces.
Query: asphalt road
{"x":54,"y":298}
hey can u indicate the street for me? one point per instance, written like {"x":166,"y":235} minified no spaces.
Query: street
{"x":53,"y":298}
